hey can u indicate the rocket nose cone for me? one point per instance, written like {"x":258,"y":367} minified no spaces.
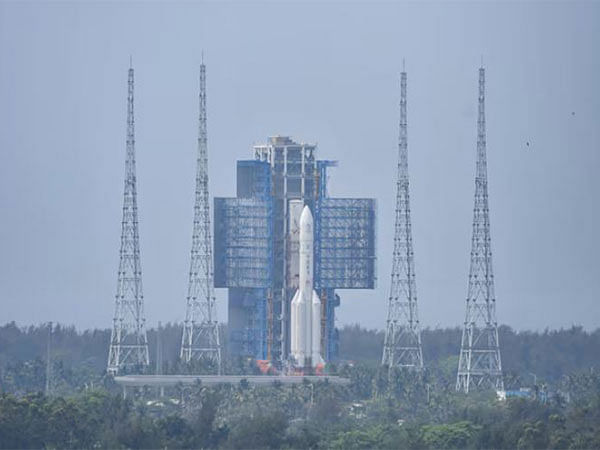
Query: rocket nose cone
{"x":306,"y":216}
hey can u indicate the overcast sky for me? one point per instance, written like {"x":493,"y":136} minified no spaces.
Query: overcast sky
{"x":325,"y":73}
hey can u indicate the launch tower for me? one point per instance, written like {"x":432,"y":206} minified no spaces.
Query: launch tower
{"x":257,"y":247}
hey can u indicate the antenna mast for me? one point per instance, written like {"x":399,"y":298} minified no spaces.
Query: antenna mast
{"x":128,"y":342}
{"x":479,"y":363}
{"x":402,"y":347}
{"x":200,"y":338}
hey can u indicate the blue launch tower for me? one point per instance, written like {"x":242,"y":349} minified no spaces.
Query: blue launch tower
{"x":256,"y":247}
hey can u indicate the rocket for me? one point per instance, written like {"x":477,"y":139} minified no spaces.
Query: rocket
{"x":306,"y":305}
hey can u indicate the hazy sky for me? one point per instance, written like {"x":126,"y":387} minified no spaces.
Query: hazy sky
{"x":325,"y":73}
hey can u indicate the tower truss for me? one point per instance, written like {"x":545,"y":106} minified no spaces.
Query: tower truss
{"x":200,"y":338}
{"x":402,"y":347}
{"x":128,"y":342}
{"x":479,"y":364}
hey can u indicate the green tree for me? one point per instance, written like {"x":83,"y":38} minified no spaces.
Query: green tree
{"x":457,"y":435}
{"x":265,"y":429}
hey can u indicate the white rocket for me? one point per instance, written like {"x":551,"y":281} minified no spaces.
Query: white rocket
{"x":306,"y":305}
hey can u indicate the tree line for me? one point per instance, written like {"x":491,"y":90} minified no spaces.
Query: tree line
{"x":79,"y":357}
{"x":379,"y":409}
{"x":84,"y":407}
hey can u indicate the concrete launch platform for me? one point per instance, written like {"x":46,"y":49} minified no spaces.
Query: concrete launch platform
{"x":211,"y":380}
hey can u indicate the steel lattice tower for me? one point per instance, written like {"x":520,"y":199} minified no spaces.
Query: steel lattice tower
{"x":402,"y":347}
{"x":479,"y":364}
{"x":200,"y":338}
{"x":128,"y":342}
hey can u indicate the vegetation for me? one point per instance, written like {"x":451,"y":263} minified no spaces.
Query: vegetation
{"x":550,"y":354}
{"x":379,"y":409}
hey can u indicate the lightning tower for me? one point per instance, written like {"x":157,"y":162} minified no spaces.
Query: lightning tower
{"x":128,"y":342}
{"x":479,"y":364}
{"x":201,"y":329}
{"x":402,"y":347}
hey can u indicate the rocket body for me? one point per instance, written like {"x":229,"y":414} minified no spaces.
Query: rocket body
{"x":306,"y":305}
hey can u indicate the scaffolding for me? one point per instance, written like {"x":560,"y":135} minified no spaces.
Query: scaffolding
{"x":345,"y":245}
{"x":329,"y":334}
{"x":243,"y":256}
{"x":248,"y":321}
{"x":242,"y":243}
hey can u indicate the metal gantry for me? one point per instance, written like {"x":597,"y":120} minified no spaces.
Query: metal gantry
{"x":402,"y":346}
{"x":128,"y":342}
{"x":479,"y":363}
{"x":345,"y":243}
{"x":200,"y":338}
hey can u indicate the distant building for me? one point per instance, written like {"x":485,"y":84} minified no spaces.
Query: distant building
{"x":521,"y":393}
{"x":256,"y":247}
{"x":540,"y":394}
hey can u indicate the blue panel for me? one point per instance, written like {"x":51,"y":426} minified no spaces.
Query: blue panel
{"x":243,"y":242}
{"x":253,"y":179}
{"x":345,"y":243}
{"x":247,"y":322}
{"x":332,"y":338}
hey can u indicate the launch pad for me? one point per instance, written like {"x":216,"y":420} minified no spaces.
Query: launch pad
{"x":163,"y":382}
{"x":212,"y":380}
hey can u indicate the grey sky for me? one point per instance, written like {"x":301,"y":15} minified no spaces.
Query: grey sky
{"x":326,"y":73}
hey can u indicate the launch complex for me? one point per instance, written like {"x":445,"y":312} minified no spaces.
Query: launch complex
{"x":282,"y":248}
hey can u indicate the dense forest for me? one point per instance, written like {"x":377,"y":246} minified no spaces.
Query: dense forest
{"x":549,"y":355}
{"x":83,"y":407}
